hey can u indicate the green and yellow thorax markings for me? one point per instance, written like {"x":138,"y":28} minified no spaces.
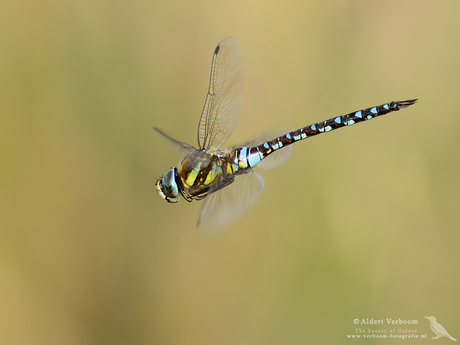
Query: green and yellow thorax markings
{"x":204,"y":169}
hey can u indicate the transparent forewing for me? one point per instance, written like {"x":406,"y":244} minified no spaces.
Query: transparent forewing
{"x":228,"y":205}
{"x":183,"y":148}
{"x":223,"y":101}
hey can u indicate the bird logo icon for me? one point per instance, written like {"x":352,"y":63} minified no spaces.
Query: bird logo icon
{"x":438,"y":329}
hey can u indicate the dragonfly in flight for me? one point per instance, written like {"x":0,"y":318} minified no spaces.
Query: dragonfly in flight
{"x":225,"y":178}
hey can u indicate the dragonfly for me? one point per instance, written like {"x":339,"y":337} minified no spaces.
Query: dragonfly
{"x":224,"y":177}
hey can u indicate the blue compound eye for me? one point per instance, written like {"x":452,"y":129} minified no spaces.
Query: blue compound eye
{"x":167,"y":186}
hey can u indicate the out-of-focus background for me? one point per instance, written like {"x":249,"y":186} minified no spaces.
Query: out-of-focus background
{"x":360,"y":223}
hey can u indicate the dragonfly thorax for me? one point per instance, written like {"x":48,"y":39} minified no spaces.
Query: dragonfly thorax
{"x":201,"y":173}
{"x":169,"y":186}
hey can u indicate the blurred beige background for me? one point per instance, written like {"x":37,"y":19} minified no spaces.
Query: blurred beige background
{"x":360,"y":223}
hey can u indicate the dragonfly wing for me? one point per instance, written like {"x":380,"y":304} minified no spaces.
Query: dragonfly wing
{"x":223,"y":101}
{"x":180,"y":146}
{"x":276,"y":159}
{"x":226,"y":206}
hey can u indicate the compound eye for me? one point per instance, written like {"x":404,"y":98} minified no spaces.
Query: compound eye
{"x":167,"y":187}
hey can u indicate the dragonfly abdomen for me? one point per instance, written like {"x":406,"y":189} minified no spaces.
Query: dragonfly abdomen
{"x":244,"y":158}
{"x":253,"y":155}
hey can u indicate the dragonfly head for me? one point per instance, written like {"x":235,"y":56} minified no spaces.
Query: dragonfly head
{"x":167,"y":186}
